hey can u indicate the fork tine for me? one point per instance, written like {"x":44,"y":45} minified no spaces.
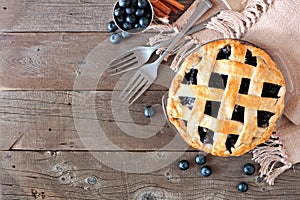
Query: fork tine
{"x":132,"y":89}
{"x":121,"y":61}
{"x":126,"y":68}
{"x":123,"y":55}
{"x":122,"y":68}
{"x":129,"y":84}
{"x":143,"y":89}
{"x":136,"y":90}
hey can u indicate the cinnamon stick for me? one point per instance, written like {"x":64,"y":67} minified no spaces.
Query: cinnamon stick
{"x":161,"y":6}
{"x":159,"y":13}
{"x":173,"y":8}
{"x":175,"y":4}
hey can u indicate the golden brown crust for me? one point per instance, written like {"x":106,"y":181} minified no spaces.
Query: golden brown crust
{"x":204,"y":60}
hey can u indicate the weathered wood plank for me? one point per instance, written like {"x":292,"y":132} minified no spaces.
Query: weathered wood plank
{"x":78,"y":175}
{"x":53,"y":61}
{"x":58,"y":16}
{"x":55,"y":15}
{"x":53,"y":120}
{"x":50,"y":120}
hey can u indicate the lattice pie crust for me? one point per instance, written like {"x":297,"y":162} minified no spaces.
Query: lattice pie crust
{"x":226,"y":98}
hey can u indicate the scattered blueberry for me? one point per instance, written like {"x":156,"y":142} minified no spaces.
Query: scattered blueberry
{"x":200,"y":159}
{"x":115,"y":38}
{"x":144,"y":22}
{"x":134,"y":3}
{"x":149,"y":111}
{"x":125,"y":34}
{"x":142,"y":3}
{"x":124,"y":3}
{"x":111,"y":26}
{"x":242,"y":187}
{"x":249,"y":169}
{"x":205,"y":171}
{"x":131,"y":19}
{"x":130,"y":10}
{"x":183,"y":165}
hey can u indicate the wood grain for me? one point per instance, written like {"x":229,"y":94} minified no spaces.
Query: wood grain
{"x":44,"y":45}
{"x":52,"y":61}
{"x":45,"y":120}
{"x":78,"y":175}
{"x":54,"y":15}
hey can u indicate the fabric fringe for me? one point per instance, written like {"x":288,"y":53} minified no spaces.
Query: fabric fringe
{"x":234,"y":24}
{"x":272,"y":159}
{"x":182,"y":52}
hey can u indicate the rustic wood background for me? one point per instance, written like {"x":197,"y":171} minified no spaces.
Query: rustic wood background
{"x":42,"y":44}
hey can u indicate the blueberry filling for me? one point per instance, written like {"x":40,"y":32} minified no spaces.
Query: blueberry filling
{"x":187,"y":101}
{"x":270,"y":90}
{"x":217,"y":80}
{"x":224,"y":53}
{"x":263,"y":118}
{"x":190,"y":77}
{"x":231,"y":140}
{"x":244,"y":88}
{"x":250,"y":60}
{"x":206,"y":135}
{"x":238,"y":113}
{"x":212,"y":108}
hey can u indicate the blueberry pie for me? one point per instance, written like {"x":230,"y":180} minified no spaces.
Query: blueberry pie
{"x":226,"y":98}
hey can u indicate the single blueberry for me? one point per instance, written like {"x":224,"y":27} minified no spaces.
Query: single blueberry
{"x":183,"y":165}
{"x":149,"y":111}
{"x":144,"y":22}
{"x":130,"y":10}
{"x":205,"y":171}
{"x":131,"y":19}
{"x":124,"y":3}
{"x":148,"y":15}
{"x":125,"y":34}
{"x":115,"y":38}
{"x":137,"y":26}
{"x":111,"y":26}
{"x":142,"y":3}
{"x":139,"y":12}
{"x":127,"y":26}
{"x":120,"y":20}
{"x":200,"y":159}
{"x":249,"y":169}
{"x":119,"y":12}
{"x":134,"y":3}
{"x":242,"y":187}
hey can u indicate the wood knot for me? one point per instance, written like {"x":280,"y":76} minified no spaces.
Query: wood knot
{"x":38,"y":195}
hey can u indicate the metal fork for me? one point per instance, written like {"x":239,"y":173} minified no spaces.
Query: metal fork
{"x":137,"y":56}
{"x":147,"y":74}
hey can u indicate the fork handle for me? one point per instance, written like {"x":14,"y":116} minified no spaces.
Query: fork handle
{"x":202,"y":7}
{"x":194,"y":29}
